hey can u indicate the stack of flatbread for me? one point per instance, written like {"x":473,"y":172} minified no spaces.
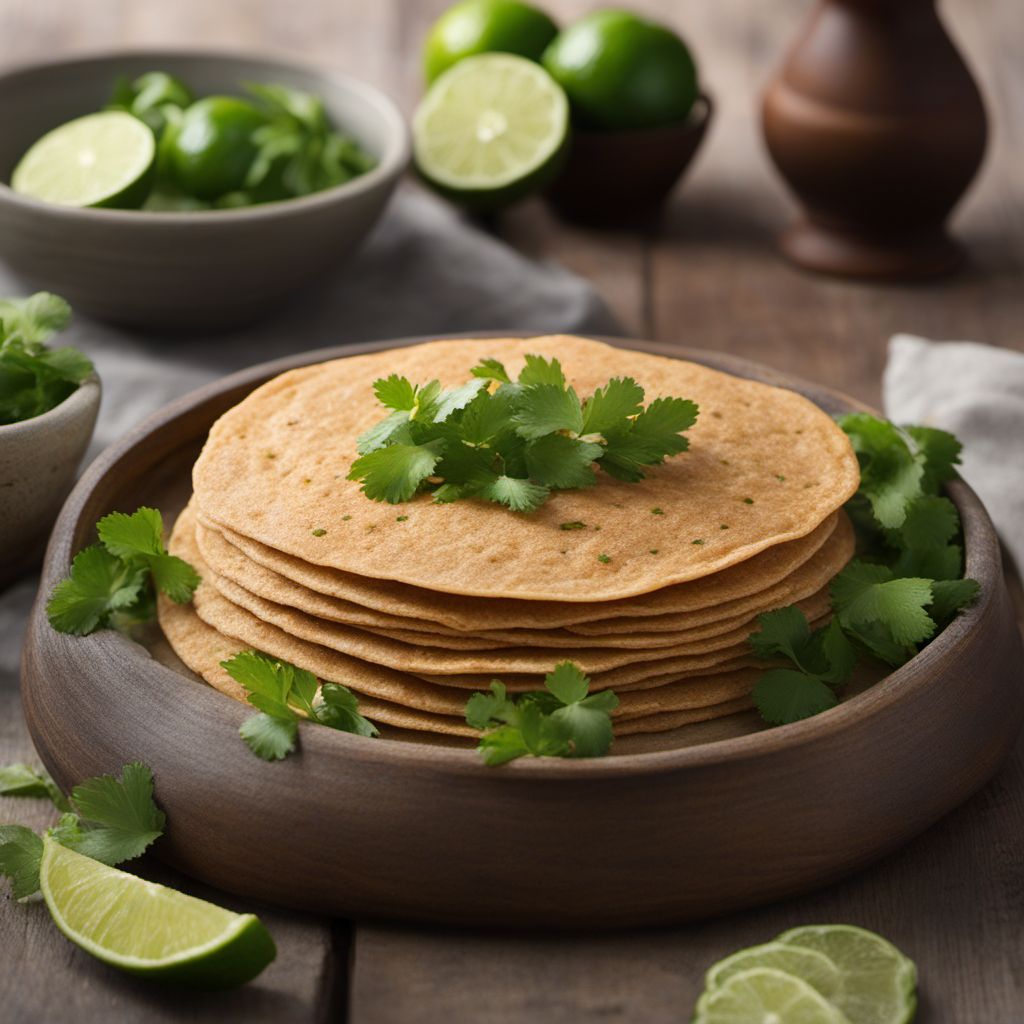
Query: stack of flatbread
{"x":652,"y":588}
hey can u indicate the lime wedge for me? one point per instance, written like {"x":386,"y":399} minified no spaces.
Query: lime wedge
{"x":491,"y":129}
{"x":148,"y":929}
{"x":102,"y":159}
{"x":764,"y":995}
{"x":807,"y":964}
{"x":878,"y":981}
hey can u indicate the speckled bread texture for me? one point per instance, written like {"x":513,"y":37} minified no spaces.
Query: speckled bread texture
{"x":764,"y":463}
{"x":227,"y":564}
{"x":700,"y":600}
{"x":202,"y":649}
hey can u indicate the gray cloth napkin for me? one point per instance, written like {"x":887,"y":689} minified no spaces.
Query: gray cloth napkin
{"x":976,"y":392}
{"x":424,"y":270}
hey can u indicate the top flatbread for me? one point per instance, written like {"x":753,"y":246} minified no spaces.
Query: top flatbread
{"x":765,"y":466}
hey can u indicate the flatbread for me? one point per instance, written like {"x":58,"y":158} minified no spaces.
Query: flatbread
{"x":764,"y":462}
{"x":225,"y":562}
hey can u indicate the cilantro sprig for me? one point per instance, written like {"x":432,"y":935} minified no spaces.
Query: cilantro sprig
{"x":111,"y":820}
{"x":562,"y":720}
{"x":285,"y":696}
{"x":114,"y":582}
{"x":33,"y":378}
{"x":516,"y":442}
{"x":903,"y":588}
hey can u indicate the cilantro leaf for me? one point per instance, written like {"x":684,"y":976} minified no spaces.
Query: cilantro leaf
{"x":785,"y":695}
{"x":491,"y":369}
{"x":538,"y":370}
{"x":560,"y":721}
{"x":339,"y":709}
{"x":25,"y":781}
{"x":864,"y":593}
{"x":138,"y":539}
{"x":35,"y":319}
{"x":547,"y":408}
{"x":559,"y":461}
{"x":269,"y":737}
{"x":281,"y":691}
{"x":395,"y":473}
{"x":99,"y":585}
{"x":515,"y":444}
{"x":609,"y":407}
{"x":518,"y":494}
{"x":21,"y":852}
{"x":949,"y":596}
{"x":941,"y":452}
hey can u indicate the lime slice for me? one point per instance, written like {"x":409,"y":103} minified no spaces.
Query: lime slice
{"x":148,"y":929}
{"x":764,"y":995}
{"x":807,"y":964}
{"x":102,"y":159}
{"x":878,"y":980}
{"x":491,"y":129}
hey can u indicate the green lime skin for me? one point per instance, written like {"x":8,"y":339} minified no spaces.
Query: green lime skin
{"x":212,"y":150}
{"x":622,"y":72}
{"x":486,"y":26}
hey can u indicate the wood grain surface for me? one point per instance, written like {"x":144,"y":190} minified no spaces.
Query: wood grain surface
{"x":705,"y":276}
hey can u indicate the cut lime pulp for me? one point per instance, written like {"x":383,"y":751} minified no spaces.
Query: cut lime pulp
{"x":807,"y":964}
{"x":764,"y":995}
{"x":491,"y":129}
{"x":148,"y":929}
{"x":878,"y":981}
{"x":104,"y":159}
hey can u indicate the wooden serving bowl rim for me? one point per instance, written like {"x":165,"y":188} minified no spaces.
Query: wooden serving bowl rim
{"x":982,"y":562}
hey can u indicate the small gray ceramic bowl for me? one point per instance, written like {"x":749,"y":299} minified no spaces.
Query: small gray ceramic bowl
{"x":187,"y":270}
{"x":38,"y":461}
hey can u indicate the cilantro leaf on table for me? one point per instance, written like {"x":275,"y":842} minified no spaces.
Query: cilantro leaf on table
{"x":563,"y":720}
{"x":285,"y":694}
{"x":21,"y":851}
{"x":112,"y":583}
{"x":111,"y":820}
{"x":33,"y":378}
{"x":22,"y":780}
{"x":515,"y":442}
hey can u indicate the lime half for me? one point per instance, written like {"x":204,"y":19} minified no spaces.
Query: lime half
{"x":879,"y":982}
{"x":811,"y":966}
{"x":148,"y":929}
{"x":102,"y":159}
{"x":491,"y":129}
{"x":764,"y":995}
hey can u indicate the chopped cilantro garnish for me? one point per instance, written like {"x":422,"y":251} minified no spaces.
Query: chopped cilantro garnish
{"x":319,"y":532}
{"x":401,"y":519}
{"x":575,"y":525}
{"x":748,"y":501}
{"x":563,"y":720}
{"x":697,"y":541}
{"x":284,"y":695}
{"x":516,"y":443}
{"x":657,"y":512}
{"x":34,"y":378}
{"x":111,"y":820}
{"x":112,"y":583}
{"x":603,"y":558}
{"x":903,"y":588}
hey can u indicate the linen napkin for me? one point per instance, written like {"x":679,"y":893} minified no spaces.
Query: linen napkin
{"x":977,"y":392}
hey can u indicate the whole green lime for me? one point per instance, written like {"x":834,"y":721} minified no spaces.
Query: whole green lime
{"x":212,"y":150}
{"x":621,"y":71}
{"x":486,"y":26}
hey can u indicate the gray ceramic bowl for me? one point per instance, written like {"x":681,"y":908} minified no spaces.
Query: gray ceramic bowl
{"x":38,"y":460}
{"x":187,"y":270}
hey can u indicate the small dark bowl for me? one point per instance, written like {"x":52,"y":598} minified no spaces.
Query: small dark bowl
{"x":206,"y":269}
{"x":620,"y":177}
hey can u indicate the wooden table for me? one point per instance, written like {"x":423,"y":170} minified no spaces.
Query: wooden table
{"x":707,"y":277}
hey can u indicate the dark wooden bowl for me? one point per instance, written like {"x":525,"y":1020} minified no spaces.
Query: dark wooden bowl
{"x":616,"y":178}
{"x":378,"y":828}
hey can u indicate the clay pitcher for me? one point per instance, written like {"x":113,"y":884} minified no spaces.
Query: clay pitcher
{"x":878,"y":128}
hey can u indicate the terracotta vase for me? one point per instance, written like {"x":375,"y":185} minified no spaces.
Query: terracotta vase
{"x":878,"y":128}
